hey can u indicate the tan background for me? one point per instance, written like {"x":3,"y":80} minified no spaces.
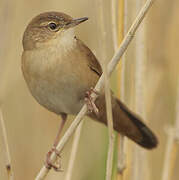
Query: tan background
{"x":31,"y":128}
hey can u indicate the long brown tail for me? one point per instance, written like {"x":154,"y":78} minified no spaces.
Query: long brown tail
{"x":126,"y":123}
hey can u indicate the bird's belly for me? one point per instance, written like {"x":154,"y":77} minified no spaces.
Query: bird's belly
{"x":62,"y":98}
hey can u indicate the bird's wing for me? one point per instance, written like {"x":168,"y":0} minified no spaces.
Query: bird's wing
{"x":92,"y":60}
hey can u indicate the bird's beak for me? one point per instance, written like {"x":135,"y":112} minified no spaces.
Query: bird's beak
{"x":75,"y":22}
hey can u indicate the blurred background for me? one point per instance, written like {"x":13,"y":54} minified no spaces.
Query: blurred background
{"x":148,"y":87}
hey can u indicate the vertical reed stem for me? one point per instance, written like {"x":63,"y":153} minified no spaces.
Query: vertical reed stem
{"x":7,"y":152}
{"x":73,"y":153}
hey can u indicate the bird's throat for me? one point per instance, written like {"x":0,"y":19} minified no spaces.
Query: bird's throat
{"x":66,"y":41}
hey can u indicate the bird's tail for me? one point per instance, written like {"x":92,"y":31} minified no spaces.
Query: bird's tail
{"x":126,"y":122}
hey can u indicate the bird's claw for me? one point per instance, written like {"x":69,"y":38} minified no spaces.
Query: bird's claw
{"x":90,"y":101}
{"x":48,"y":163}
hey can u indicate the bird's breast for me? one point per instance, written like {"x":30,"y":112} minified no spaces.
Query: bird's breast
{"x":55,"y":80}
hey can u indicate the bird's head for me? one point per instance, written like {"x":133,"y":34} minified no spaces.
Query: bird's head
{"x":49,"y":26}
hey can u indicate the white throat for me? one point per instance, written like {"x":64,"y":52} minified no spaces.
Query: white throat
{"x":66,"y":41}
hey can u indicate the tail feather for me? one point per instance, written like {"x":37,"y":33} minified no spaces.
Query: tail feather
{"x":126,"y":123}
{"x":149,"y":140}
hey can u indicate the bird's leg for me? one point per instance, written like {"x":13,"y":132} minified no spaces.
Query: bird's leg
{"x":48,"y":163}
{"x":90,"y":101}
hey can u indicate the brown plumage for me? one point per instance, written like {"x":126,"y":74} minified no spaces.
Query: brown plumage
{"x":126,"y":123}
{"x":59,"y":69}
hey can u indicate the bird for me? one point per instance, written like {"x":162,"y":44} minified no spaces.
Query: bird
{"x":60,"y":70}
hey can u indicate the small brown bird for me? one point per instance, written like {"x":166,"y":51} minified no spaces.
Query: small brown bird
{"x":60,"y":69}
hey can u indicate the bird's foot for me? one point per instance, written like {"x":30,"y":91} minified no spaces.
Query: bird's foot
{"x":57,"y":165}
{"x":90,"y":101}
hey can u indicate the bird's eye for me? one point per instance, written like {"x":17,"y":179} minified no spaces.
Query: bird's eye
{"x":52,"y":26}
